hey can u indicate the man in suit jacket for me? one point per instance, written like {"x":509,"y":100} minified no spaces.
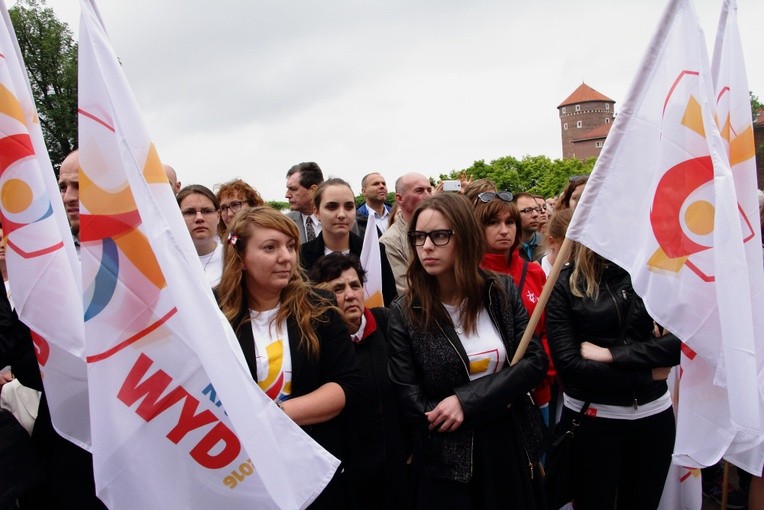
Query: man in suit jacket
{"x":302,"y":181}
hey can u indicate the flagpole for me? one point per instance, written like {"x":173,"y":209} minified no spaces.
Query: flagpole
{"x":562,"y":258}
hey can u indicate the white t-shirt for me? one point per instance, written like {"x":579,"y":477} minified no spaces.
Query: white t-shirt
{"x":272,"y":355}
{"x":620,"y":412}
{"x":212,"y":263}
{"x":484,"y":348}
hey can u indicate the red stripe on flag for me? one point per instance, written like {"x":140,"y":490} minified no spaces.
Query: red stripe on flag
{"x":114,"y":350}
{"x":676,"y":82}
{"x":687,"y":351}
{"x":94,"y":227}
{"x":93,"y":117}
{"x":14,"y":148}
{"x":33,"y":254}
{"x":685,"y":476}
{"x":721,"y":93}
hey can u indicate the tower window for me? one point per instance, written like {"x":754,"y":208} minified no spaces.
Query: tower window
{"x":578,"y":107}
{"x":607,"y":120}
{"x":579,"y":124}
{"x":598,"y":143}
{"x":565,"y":126}
{"x":607,"y":106}
{"x":563,"y":109}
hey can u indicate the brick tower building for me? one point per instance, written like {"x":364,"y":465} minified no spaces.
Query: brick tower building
{"x":585,"y":120}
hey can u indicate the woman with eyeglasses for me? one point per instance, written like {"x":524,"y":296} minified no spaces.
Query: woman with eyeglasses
{"x":501,"y":221}
{"x":451,"y":339}
{"x":335,"y":209}
{"x":293,"y":338}
{"x":200,"y":209}
{"x":234,"y":196}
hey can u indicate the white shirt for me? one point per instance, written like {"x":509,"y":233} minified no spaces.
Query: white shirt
{"x":212,"y":263}
{"x":484,"y":348}
{"x":314,"y":220}
{"x":380,"y":220}
{"x":272,"y":355}
{"x":620,"y":412}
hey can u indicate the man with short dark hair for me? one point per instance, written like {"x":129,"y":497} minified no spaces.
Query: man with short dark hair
{"x":530,"y":247}
{"x":374,"y":190}
{"x":302,"y":181}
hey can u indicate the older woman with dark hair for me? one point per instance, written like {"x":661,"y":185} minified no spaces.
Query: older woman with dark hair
{"x":235,"y":195}
{"x":377,"y":465}
{"x":294,"y":341}
{"x":335,"y":208}
{"x":451,"y":339}
{"x":201,"y":211}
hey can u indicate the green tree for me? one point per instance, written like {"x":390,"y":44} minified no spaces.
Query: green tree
{"x":756,"y":105}
{"x":279,"y":206}
{"x":50,"y":55}
{"x":534,"y":174}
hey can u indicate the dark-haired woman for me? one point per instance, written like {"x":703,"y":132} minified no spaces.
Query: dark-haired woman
{"x":613,"y":372}
{"x":501,"y":222}
{"x":201,"y":212}
{"x":294,"y":340}
{"x":451,"y":339}
{"x":335,"y":208}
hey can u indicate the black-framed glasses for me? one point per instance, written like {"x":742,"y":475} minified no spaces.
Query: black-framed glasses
{"x":438,"y":237}
{"x":487,"y":196}
{"x":529,"y":210}
{"x":191,"y":213}
{"x":234,"y":206}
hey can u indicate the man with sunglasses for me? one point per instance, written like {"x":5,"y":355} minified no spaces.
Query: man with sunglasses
{"x":530,"y":247}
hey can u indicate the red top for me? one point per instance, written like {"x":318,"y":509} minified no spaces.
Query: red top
{"x":535,"y":278}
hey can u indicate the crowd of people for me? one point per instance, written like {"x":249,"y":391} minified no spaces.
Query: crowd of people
{"x":417,"y":398}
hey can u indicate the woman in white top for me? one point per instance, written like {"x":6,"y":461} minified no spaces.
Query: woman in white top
{"x":201,"y":211}
{"x":294,"y":340}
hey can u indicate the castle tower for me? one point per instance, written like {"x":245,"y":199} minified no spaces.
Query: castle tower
{"x":585,"y":120}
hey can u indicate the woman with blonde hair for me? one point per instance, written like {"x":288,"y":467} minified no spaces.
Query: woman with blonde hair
{"x":294,"y":341}
{"x":451,"y":338}
{"x":613,"y":371}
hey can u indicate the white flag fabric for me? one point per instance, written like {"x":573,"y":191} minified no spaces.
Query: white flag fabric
{"x":371,"y":262}
{"x":43,"y":269}
{"x":733,"y":113}
{"x":181,"y":423}
{"x":661,"y":203}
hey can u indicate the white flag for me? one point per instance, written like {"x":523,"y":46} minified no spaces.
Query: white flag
{"x":733,"y":113}
{"x":43,"y":269}
{"x":181,"y":422}
{"x":371,"y":261}
{"x":661,"y":204}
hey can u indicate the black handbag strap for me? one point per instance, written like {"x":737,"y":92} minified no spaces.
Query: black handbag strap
{"x":522,"y":277}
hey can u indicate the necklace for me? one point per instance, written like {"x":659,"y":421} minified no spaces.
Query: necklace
{"x":209,"y":259}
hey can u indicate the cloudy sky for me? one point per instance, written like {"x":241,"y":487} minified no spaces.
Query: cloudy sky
{"x":247,"y":88}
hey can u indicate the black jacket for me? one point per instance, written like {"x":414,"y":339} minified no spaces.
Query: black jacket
{"x":571,"y":320}
{"x":428,"y":366}
{"x":313,"y":250}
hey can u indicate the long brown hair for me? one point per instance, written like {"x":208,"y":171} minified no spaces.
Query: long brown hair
{"x":470,"y":245}
{"x":491,"y":210}
{"x":298,"y":299}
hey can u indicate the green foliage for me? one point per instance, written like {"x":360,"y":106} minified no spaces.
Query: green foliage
{"x":279,"y":206}
{"x":534,"y":174}
{"x":756,"y":105}
{"x":50,"y":55}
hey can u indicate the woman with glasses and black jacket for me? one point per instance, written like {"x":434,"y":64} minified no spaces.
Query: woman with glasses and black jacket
{"x":451,"y":338}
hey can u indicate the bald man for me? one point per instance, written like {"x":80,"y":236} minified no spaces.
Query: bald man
{"x":69,"y":185}
{"x":172,"y":177}
{"x":410,"y":190}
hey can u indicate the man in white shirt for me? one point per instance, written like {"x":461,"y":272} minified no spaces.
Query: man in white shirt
{"x":374,"y":190}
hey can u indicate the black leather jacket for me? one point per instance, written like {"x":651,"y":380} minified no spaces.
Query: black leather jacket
{"x":571,"y":320}
{"x":428,"y":366}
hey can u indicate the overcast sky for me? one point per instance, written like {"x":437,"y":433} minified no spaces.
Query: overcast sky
{"x":247,"y":88}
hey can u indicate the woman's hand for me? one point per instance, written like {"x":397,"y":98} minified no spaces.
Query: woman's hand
{"x":447,"y":415}
{"x":596,"y":353}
